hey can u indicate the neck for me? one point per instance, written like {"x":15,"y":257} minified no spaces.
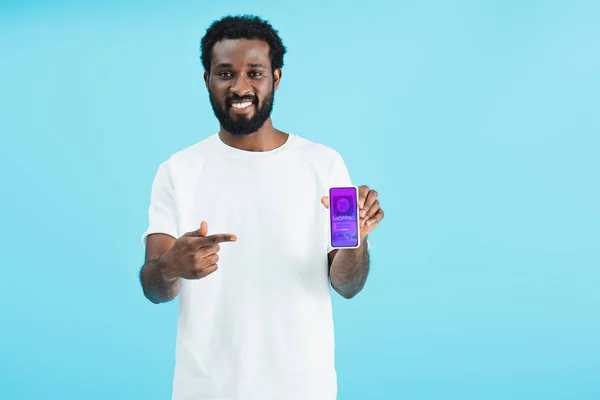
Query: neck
{"x":265,"y":139}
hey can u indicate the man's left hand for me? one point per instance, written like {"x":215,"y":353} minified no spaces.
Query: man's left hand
{"x":369,"y":209}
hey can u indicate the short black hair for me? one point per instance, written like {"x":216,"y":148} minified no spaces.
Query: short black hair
{"x":242,"y":27}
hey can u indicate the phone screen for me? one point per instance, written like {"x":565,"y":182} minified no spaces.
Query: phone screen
{"x":343,"y":213}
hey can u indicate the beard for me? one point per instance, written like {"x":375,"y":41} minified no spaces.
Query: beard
{"x":242,"y":125}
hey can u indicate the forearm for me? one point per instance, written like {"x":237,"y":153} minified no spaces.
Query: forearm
{"x":156,"y":288}
{"x":349,"y":270}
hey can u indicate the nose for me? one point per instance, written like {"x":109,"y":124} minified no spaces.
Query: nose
{"x":240,"y":86}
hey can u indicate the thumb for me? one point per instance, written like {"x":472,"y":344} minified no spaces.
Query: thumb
{"x":201,"y":232}
{"x":203,"y":228}
{"x":325,"y":201}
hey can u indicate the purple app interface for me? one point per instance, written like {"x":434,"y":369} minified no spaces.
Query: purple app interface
{"x":343,"y":215}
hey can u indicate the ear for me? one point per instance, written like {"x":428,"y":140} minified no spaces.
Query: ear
{"x":276,"y":77}
{"x":206,"y":78}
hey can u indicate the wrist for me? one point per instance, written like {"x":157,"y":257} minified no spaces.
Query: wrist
{"x":163,"y":269}
{"x":363,"y":240}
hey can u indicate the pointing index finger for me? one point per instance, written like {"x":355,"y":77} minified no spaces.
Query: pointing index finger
{"x":221,"y":237}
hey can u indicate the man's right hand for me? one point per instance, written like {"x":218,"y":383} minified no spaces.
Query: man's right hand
{"x":194,"y":255}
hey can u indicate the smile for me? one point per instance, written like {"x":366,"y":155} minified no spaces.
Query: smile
{"x":240,"y":106}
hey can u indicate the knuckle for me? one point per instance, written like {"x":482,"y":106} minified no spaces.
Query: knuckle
{"x":212,"y":269}
{"x":199,"y":267}
{"x":189,"y":244}
{"x":196,"y":257}
{"x":208,"y":250}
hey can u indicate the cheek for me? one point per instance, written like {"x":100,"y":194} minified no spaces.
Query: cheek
{"x":217,"y":88}
{"x":217,"y":97}
{"x":263,"y":91}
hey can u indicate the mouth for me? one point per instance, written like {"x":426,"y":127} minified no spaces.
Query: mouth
{"x":241,"y":106}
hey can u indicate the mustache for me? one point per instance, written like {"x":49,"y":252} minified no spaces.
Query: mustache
{"x":237,"y":98}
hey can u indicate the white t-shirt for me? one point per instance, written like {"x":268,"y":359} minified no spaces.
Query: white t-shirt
{"x":261,"y":326}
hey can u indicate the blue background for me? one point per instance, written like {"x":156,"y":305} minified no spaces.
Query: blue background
{"x":478,"y":123}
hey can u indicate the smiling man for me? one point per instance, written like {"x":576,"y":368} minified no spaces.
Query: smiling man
{"x":238,"y":228}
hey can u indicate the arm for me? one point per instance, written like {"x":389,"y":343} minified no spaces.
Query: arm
{"x":156,"y":287}
{"x":348,"y":270}
{"x":192,"y":256}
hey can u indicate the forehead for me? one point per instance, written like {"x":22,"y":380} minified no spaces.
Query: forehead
{"x":240,"y":52}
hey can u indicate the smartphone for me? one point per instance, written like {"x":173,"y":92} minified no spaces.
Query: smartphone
{"x":343,"y":217}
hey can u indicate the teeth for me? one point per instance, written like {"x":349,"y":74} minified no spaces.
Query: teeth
{"x":241,"y":105}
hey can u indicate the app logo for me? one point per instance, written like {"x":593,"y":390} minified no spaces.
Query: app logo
{"x":344,"y":205}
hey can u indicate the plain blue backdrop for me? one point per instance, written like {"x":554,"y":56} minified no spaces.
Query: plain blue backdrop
{"x":476,"y":121}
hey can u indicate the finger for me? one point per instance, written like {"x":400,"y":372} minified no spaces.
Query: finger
{"x":372,"y":210}
{"x":376,"y":219}
{"x":199,"y":274}
{"x":204,"y":250}
{"x":202,"y":231}
{"x":363,"y":191}
{"x":366,"y":215}
{"x":325,"y":201}
{"x":219,"y":238}
{"x":371,"y":197}
{"x":202,"y":262}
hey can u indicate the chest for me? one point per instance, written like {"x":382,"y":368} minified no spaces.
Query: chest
{"x":278,"y":202}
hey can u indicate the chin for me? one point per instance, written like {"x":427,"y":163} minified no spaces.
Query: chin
{"x":242,"y":117}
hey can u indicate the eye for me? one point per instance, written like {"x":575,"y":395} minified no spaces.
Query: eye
{"x":225,"y":74}
{"x":255,"y":74}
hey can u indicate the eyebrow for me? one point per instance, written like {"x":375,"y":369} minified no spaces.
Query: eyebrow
{"x":229,"y":65}
{"x":224,"y":65}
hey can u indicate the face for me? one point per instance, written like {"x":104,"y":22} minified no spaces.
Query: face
{"x":241,"y":84}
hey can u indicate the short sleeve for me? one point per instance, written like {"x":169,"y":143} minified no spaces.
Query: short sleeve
{"x":339,"y":173}
{"x":340,"y":177}
{"x":162,"y":216}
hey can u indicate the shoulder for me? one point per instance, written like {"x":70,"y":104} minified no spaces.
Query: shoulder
{"x":190,"y":156}
{"x":317,"y":153}
{"x":327,"y":162}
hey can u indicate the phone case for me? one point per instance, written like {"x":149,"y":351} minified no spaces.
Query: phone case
{"x":330,"y":222}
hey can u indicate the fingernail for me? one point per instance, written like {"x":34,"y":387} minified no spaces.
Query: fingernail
{"x":233,"y":238}
{"x":368,"y":223}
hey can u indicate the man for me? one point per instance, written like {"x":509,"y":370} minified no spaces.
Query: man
{"x":255,"y":318}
